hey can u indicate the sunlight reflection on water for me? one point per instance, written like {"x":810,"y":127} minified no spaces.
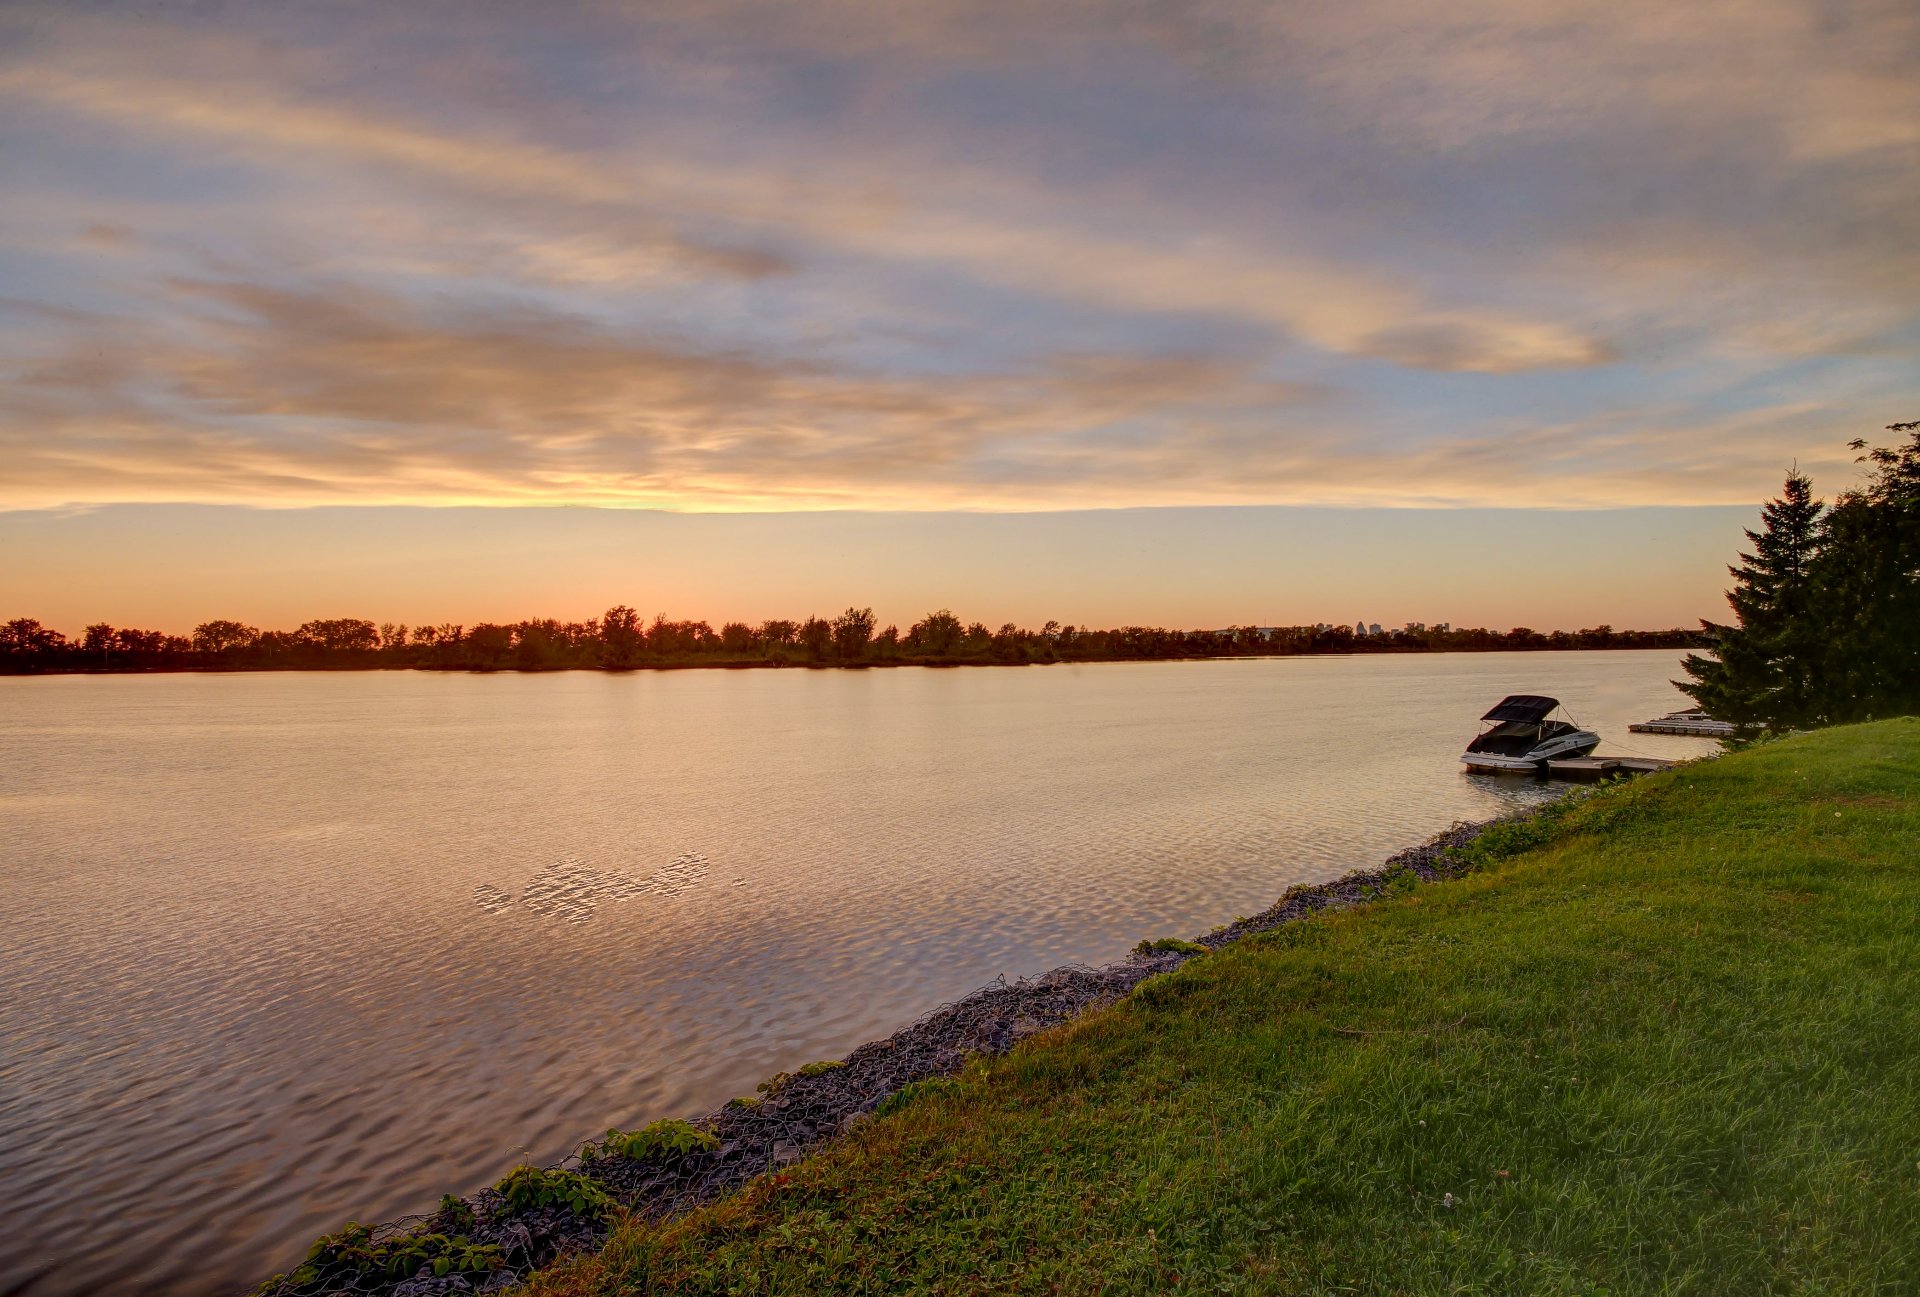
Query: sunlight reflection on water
{"x":288,"y":949}
{"x":571,"y":891}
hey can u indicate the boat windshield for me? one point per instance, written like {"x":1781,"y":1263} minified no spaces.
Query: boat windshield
{"x":1517,"y":738}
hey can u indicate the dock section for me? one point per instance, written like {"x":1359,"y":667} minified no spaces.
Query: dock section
{"x":1697,"y":724}
{"x":1591,"y":770}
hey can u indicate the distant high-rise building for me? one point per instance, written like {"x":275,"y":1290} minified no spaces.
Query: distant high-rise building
{"x":1373,"y":628}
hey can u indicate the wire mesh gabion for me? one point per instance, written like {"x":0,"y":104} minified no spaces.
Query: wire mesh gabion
{"x":490,"y":1245}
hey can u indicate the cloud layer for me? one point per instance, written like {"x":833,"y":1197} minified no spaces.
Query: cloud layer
{"x":952,"y":255}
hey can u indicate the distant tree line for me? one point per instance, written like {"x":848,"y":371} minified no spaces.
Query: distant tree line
{"x":1826,"y":608}
{"x":621,"y":640}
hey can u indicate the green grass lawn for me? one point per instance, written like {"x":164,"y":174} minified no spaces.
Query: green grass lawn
{"x":1673,"y":1048}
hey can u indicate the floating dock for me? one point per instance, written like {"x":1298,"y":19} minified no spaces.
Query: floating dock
{"x":1591,"y":770}
{"x":1697,"y":724}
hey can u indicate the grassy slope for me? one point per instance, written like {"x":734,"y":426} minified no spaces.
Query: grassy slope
{"x":1677,"y":1048}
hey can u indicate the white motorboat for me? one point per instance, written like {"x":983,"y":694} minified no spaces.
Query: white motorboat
{"x":1522,"y":735}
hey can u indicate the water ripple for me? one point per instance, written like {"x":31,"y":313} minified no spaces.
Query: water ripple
{"x":570,"y":890}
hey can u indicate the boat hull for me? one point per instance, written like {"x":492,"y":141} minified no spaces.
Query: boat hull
{"x":1533,"y":761}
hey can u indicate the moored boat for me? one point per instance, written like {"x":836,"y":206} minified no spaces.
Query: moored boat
{"x":1693,"y":722}
{"x":1522,"y":735}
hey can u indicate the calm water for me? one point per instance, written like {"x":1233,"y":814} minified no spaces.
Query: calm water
{"x":282,"y":950}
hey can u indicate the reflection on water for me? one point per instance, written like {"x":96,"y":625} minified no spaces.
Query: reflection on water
{"x":283,"y":950}
{"x":570,"y":890}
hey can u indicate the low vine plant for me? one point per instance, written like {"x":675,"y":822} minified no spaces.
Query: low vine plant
{"x":356,"y":1254}
{"x":1173,"y":944}
{"x":658,"y":1140}
{"x":455,"y":1214}
{"x":530,"y":1188}
{"x":779,"y":1081}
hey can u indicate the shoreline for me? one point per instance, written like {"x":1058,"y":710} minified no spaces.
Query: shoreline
{"x":1655,"y":1039}
{"x":798,"y":1114}
{"x":763,"y":664}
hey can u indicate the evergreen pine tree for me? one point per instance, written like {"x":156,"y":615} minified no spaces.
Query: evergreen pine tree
{"x":1764,"y":667}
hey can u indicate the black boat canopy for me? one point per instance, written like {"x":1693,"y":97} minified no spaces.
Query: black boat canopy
{"x":1525,"y":708}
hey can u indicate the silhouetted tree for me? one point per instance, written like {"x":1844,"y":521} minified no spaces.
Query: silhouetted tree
{"x":99,"y":639}
{"x":340,"y":635}
{"x":223,"y":636}
{"x":619,"y":640}
{"x":852,"y":632}
{"x":816,"y":637}
{"x":539,"y":645}
{"x":1762,"y":667}
{"x":27,"y":637}
{"x":938,"y":633}
{"x":143,"y":642}
{"x":1009,"y":643}
{"x":620,"y":637}
{"x":486,"y":647}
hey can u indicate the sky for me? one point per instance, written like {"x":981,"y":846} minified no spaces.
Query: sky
{"x":1102,"y":310}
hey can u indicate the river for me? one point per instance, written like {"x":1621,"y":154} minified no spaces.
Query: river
{"x":287,"y":949}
